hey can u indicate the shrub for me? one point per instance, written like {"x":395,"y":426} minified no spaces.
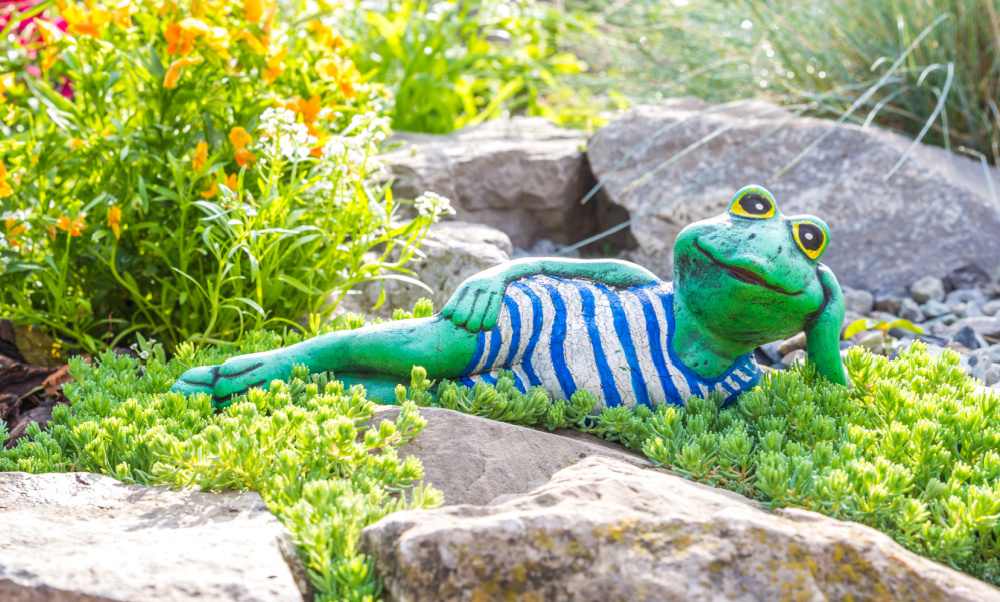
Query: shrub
{"x":930,"y":69}
{"x":203,"y":169}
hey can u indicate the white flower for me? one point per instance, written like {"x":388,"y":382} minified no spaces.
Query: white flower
{"x":281,"y":135}
{"x":433,"y":205}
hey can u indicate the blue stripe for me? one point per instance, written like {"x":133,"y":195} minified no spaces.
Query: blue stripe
{"x":468,"y":382}
{"x":515,"y":331}
{"x":480,"y":343}
{"x":558,"y":342}
{"x":668,"y":309}
{"x":496,"y":339}
{"x":625,"y":337}
{"x":519,"y":383}
{"x":488,"y":378}
{"x":536,"y":331}
{"x":653,"y":332}
{"x":611,"y":395}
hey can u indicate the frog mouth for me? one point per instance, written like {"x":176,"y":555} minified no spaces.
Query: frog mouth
{"x":743,"y":274}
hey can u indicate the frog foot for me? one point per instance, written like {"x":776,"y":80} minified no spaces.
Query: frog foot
{"x":234,"y":376}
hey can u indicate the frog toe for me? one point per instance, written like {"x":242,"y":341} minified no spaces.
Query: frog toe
{"x":197,"y":380}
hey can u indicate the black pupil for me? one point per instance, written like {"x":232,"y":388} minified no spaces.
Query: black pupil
{"x":810,"y":236}
{"x":754,"y":204}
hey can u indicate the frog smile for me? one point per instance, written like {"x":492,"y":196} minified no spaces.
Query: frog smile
{"x":743,"y":274}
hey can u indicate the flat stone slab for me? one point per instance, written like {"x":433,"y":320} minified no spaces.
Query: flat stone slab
{"x":88,"y":538}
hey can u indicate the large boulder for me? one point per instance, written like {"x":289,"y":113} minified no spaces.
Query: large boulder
{"x":679,"y":162}
{"x":604,"y":530}
{"x":524,"y":175}
{"x":76,"y":537}
{"x":473,"y":460}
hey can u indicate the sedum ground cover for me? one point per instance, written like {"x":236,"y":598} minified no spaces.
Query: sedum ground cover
{"x":912,"y":448}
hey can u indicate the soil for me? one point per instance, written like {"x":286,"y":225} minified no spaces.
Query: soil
{"x":27,"y":392}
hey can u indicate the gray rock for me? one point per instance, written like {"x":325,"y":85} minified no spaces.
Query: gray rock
{"x":966,"y":310}
{"x":979,"y":364}
{"x":675,"y":163}
{"x":968,"y":338}
{"x":874,"y":341}
{"x":798,"y":355}
{"x":967,"y":276}
{"x":76,"y":537}
{"x":991,"y":308}
{"x":792,"y":344}
{"x":452,"y":251}
{"x":606,"y":530}
{"x":934,"y":309}
{"x":926,"y":289}
{"x":522,"y":175}
{"x":995,"y":353}
{"x":858,"y":301}
{"x":986,"y":326}
{"x":473,"y":460}
{"x":965,"y":295}
{"x":909,"y":310}
{"x":888,"y":303}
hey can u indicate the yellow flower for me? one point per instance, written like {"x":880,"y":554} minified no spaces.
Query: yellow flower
{"x":74,"y":227}
{"x":200,"y":156}
{"x":115,"y":220}
{"x":342,"y":71}
{"x":325,"y":36}
{"x":176,"y":69}
{"x":253,"y":10}
{"x":85,"y":20}
{"x":76,"y":144}
{"x":5,"y":189}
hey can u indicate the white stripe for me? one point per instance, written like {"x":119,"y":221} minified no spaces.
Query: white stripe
{"x":640,"y":340}
{"x":524,"y":312}
{"x":481,"y":364}
{"x":505,"y":331}
{"x":541,"y":361}
{"x":579,"y":353}
{"x":680,"y":383}
{"x":613,"y":349}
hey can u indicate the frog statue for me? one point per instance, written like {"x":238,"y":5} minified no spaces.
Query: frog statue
{"x":742,"y":279}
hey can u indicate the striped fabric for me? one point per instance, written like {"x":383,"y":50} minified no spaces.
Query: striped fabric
{"x":569,"y":334}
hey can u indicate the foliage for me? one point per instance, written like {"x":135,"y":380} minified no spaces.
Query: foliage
{"x":912,"y":448}
{"x":309,"y":447}
{"x":930,"y":69}
{"x":203,"y":168}
{"x":452,"y":64}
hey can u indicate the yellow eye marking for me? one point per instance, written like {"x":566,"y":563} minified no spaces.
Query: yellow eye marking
{"x":810,"y":238}
{"x":754,"y":203}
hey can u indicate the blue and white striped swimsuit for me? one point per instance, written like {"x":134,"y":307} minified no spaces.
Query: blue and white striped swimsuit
{"x":569,"y":334}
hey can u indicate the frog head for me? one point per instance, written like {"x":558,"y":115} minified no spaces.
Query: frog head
{"x":753,"y":275}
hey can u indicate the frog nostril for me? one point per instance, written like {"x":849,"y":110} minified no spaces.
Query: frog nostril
{"x":752,"y":236}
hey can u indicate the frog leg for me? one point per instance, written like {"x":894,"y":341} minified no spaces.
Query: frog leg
{"x":373,"y":354}
{"x":823,"y":330}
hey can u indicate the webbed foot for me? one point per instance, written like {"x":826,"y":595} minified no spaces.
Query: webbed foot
{"x":234,"y":376}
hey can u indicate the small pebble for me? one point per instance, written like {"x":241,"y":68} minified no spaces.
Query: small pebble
{"x":965,"y":295}
{"x":888,"y":304}
{"x":858,"y":300}
{"x":934,"y":309}
{"x":927,"y":288}
{"x":991,"y":308}
{"x":789,"y":345}
{"x":911,"y":311}
{"x":968,"y":338}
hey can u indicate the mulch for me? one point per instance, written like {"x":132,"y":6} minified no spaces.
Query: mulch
{"x":27,"y":392}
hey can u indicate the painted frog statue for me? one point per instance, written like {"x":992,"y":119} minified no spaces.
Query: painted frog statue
{"x":742,"y":279}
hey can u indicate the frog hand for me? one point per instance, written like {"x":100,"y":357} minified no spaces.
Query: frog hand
{"x":236,"y":375}
{"x":475,"y":306}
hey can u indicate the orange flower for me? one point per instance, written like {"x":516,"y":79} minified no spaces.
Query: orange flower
{"x":244,"y":157}
{"x":182,"y":35}
{"x":5,"y":189}
{"x":211,"y":191}
{"x":309,"y":109}
{"x":85,"y":20}
{"x":232,"y":181}
{"x":14,"y":230}
{"x":239,"y":137}
{"x":76,"y":144}
{"x":275,"y":66}
{"x":115,"y":220}
{"x":176,"y":69}
{"x":340,"y":70}
{"x":200,"y":156}
{"x":325,"y":36}
{"x":74,"y":227}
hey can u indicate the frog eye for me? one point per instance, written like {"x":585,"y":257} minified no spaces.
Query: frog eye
{"x":754,"y":204}
{"x":810,"y":238}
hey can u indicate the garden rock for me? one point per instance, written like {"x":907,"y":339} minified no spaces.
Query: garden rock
{"x":987,"y":327}
{"x":968,"y":338}
{"x":78,"y":537}
{"x":888,"y":303}
{"x":909,"y":310}
{"x":452,"y":251}
{"x":675,"y":163}
{"x":858,"y":301}
{"x":604,"y":530}
{"x":474,"y":460}
{"x":934,"y":309}
{"x":926,"y":289}
{"x":522,"y":175}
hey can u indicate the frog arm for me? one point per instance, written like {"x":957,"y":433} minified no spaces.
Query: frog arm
{"x":823,"y":330}
{"x":475,"y":305}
